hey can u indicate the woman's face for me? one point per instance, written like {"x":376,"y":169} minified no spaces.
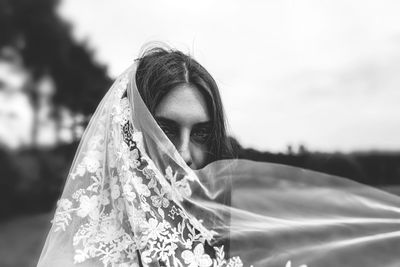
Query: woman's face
{"x":183,"y":116}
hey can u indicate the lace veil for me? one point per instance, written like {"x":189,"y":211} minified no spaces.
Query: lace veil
{"x":130,"y":200}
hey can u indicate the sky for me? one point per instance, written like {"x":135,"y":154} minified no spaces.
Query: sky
{"x":320,"y":73}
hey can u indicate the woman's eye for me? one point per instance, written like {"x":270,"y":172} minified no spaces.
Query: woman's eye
{"x":201,"y":136}
{"x":168,"y":131}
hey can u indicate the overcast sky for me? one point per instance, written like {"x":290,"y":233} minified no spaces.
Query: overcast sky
{"x":320,"y":73}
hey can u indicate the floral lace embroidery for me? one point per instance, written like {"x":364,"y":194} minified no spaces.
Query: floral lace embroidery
{"x":131,"y":210}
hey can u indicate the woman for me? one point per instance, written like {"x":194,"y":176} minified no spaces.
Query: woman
{"x":185,"y":101}
{"x":148,"y":188}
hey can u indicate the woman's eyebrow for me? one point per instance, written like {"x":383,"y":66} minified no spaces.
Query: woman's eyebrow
{"x":206,"y":124}
{"x":164,"y":120}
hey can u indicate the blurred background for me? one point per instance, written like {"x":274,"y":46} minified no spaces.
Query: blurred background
{"x":313,"y":84}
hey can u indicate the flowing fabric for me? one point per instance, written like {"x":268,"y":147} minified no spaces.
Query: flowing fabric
{"x":131,"y":200}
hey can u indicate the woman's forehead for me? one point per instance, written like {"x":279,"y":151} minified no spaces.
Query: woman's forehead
{"x":184,"y":105}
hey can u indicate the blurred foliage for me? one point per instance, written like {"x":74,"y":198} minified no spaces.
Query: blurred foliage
{"x":32,"y":180}
{"x":45,"y":42}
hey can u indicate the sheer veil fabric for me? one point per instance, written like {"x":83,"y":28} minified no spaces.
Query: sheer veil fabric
{"x":130,"y":200}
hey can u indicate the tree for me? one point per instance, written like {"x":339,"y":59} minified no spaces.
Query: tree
{"x":45,"y":42}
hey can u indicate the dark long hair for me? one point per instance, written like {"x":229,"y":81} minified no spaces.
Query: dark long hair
{"x":160,"y":70}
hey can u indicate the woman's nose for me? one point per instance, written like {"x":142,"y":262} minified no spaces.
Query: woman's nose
{"x":184,"y":148}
